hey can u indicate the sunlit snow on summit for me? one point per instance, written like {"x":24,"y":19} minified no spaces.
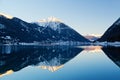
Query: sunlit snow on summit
{"x":7,"y":16}
{"x":50,"y":19}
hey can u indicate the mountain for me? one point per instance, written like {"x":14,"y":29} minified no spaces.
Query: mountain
{"x":112,"y":34}
{"x":92,"y":37}
{"x":16,"y":30}
{"x":65,"y":32}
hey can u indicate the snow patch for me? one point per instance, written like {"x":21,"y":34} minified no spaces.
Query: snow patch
{"x":51,"y":22}
{"x":7,"y":16}
{"x":51,"y":19}
{"x":7,"y":37}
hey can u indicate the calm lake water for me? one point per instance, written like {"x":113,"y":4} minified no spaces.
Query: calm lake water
{"x":59,"y":63}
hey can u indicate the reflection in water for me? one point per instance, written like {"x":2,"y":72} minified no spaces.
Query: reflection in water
{"x":7,"y":73}
{"x":51,"y":68}
{"x":91,"y":48}
{"x":6,"y":49}
{"x":52,"y":58}
{"x":14,"y":58}
{"x":113,"y":53}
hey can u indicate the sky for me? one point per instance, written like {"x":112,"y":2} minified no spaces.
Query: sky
{"x":85,"y":16}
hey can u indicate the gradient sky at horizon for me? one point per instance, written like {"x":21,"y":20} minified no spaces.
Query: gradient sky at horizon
{"x":85,"y":16}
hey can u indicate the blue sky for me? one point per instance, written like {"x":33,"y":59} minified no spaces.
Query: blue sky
{"x":85,"y":16}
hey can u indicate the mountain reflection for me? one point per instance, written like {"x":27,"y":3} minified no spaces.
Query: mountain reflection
{"x":15,"y":58}
{"x":92,"y":49}
{"x":113,"y":53}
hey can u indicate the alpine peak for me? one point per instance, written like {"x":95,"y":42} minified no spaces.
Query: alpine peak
{"x":5,"y":15}
{"x":51,"y":19}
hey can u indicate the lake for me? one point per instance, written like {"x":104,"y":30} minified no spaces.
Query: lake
{"x":59,"y":62}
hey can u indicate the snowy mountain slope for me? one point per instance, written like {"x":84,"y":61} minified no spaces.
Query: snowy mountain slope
{"x":5,"y":15}
{"x":16,"y":30}
{"x":64,"y":31}
{"x":52,"y":22}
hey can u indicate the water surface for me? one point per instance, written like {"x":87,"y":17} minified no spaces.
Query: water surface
{"x":59,"y":63}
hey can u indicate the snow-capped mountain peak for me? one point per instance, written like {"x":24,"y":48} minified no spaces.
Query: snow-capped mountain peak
{"x":51,"y":19}
{"x":5,"y":15}
{"x":52,"y":22}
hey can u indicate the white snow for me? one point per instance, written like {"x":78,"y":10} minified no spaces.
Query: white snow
{"x":116,"y":44}
{"x":7,"y":16}
{"x":52,"y":22}
{"x":7,"y":37}
{"x":51,"y":19}
{"x":53,"y":62}
{"x":96,"y":35}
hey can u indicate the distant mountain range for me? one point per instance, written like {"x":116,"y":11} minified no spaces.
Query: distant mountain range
{"x":112,"y":34}
{"x":92,"y":37}
{"x":15,"y":30}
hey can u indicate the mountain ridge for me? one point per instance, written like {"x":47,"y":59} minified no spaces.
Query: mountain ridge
{"x":16,"y":30}
{"x":112,"y":34}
